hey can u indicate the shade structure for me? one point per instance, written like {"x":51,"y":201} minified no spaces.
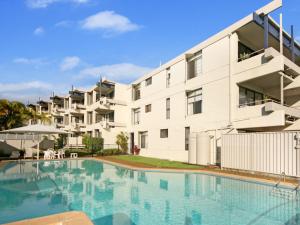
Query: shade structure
{"x":35,"y":129}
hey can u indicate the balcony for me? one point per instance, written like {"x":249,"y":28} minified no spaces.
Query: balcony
{"x":261,"y":63}
{"x":289,"y":111}
{"x":264,"y":114}
{"x":77,"y":109}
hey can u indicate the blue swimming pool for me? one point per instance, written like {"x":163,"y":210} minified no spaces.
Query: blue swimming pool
{"x":114,"y":195}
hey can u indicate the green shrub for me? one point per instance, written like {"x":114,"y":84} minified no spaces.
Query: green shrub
{"x":108,"y":152}
{"x":122,"y":142}
{"x":80,"y":152}
{"x":93,"y":144}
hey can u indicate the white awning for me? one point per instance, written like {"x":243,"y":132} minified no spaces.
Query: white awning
{"x":36,"y":129}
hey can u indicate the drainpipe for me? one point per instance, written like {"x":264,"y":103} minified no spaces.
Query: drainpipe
{"x":229,"y":81}
{"x":297,"y":137}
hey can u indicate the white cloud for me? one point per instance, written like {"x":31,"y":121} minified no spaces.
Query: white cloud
{"x":69,"y":63}
{"x":35,"y":4}
{"x":123,"y":72}
{"x":64,"y":23}
{"x":30,"y":91}
{"x":16,"y":87}
{"x":36,"y":62}
{"x":110,"y":22}
{"x":39,"y":31}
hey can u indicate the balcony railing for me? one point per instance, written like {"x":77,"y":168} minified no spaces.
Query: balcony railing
{"x":248,"y":56}
{"x":273,"y":105}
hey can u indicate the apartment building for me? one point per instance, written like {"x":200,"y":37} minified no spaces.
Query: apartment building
{"x":243,"y":79}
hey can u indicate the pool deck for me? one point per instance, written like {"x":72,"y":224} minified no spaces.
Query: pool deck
{"x":67,"y":218}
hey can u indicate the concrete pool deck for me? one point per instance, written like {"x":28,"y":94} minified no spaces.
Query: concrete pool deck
{"x":67,"y":218}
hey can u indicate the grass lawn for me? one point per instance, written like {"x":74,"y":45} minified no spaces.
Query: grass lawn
{"x":151,"y":162}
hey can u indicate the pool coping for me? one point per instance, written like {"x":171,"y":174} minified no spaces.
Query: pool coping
{"x":65,"y":218}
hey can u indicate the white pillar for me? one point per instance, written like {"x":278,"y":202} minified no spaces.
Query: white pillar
{"x":280,"y":35}
{"x":281,"y":90}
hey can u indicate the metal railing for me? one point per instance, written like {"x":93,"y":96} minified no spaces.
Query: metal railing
{"x":258,"y":102}
{"x":19,"y":137}
{"x":248,"y":56}
{"x":264,"y":101}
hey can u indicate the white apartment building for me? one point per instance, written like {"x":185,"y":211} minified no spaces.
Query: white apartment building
{"x":243,"y":79}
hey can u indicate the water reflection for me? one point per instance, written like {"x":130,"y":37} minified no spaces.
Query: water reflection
{"x":113,"y":195}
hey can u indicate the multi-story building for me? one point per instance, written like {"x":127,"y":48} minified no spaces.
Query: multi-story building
{"x":243,"y":79}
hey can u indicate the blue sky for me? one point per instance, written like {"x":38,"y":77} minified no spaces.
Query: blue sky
{"x":49,"y":45}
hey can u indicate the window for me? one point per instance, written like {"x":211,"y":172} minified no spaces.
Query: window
{"x":147,"y":108}
{"x":195,"y":65}
{"x":249,"y":97}
{"x":136,"y":116}
{"x":164,"y":133}
{"x":194,"y":102}
{"x":187,"y":138}
{"x":89,"y":117}
{"x":144,"y":139}
{"x":136,"y":92}
{"x":168,"y":108}
{"x":148,"y":81}
{"x":168,"y":78}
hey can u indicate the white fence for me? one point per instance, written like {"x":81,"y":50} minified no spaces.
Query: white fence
{"x":273,"y":153}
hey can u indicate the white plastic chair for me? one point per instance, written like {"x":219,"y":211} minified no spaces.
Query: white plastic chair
{"x":47,"y":154}
{"x":62,"y":153}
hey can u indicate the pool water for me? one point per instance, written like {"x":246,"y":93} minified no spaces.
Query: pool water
{"x":114,"y":195}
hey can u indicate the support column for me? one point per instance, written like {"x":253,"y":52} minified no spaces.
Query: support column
{"x":281,"y":90}
{"x":266,"y":31}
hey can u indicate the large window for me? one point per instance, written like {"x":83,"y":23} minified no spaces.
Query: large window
{"x":168,"y":78}
{"x":168,"y":108}
{"x":136,"y":92}
{"x":194,"y":102}
{"x":148,"y":81}
{"x":164,"y":133}
{"x":144,"y":139}
{"x":187,"y":138}
{"x":136,"y":116}
{"x":249,"y":97}
{"x":195,"y":65}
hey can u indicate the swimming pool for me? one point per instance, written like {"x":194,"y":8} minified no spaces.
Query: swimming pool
{"x":114,"y":195}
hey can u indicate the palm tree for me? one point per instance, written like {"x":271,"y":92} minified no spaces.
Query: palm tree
{"x":12,"y":114}
{"x":34,"y":116}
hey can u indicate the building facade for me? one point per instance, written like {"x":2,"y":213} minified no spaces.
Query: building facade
{"x":243,"y":79}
